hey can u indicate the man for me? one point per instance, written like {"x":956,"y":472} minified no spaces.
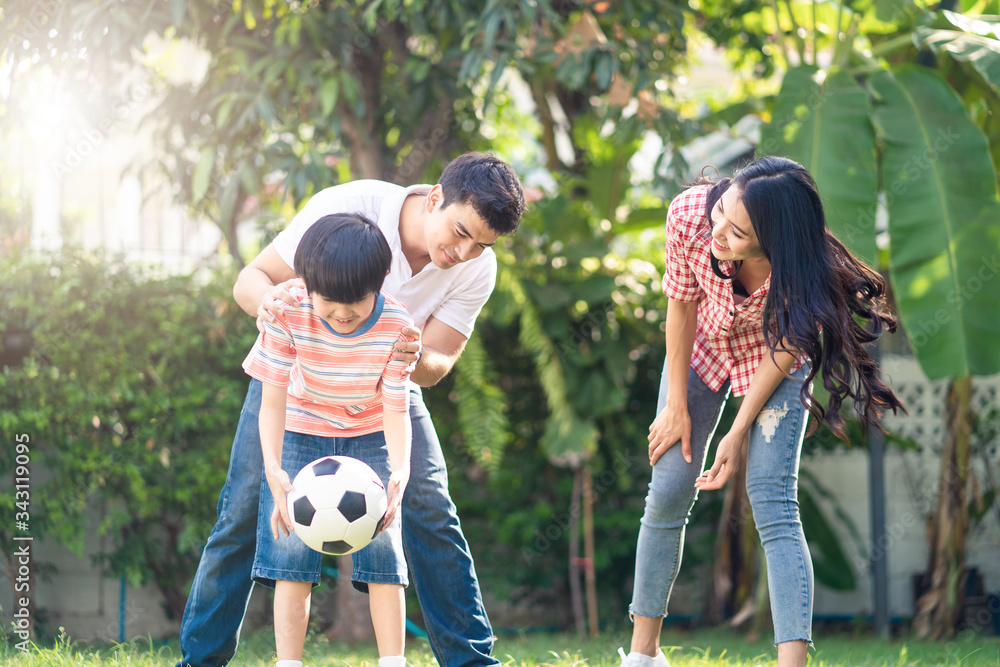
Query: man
{"x":443,"y":270}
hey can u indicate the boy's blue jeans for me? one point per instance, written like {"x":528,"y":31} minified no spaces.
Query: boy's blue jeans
{"x":441,"y":566}
{"x":772,"y":486}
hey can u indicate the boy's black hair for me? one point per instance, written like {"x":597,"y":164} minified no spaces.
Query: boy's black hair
{"x":487,"y":183}
{"x":343,"y":257}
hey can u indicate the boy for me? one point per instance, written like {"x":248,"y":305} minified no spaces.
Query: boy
{"x":444,"y":271}
{"x":331,"y":386}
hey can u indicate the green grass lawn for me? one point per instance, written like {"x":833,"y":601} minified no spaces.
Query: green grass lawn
{"x":684,"y":649}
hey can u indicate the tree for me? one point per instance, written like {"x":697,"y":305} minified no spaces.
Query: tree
{"x":319,"y":92}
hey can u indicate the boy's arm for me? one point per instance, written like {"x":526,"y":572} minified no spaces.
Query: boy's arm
{"x":396,"y":425}
{"x":272,"y":436}
{"x":397,"y":429}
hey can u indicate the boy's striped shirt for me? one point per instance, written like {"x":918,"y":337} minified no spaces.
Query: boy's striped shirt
{"x":337,"y":383}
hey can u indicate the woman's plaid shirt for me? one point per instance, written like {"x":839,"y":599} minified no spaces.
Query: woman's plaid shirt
{"x":729,"y":342}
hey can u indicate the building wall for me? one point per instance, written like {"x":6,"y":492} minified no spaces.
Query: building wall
{"x":911,"y":482}
{"x":88,"y":603}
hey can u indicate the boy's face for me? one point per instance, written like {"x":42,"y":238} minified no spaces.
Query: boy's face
{"x":454,"y":234}
{"x":344,"y":318}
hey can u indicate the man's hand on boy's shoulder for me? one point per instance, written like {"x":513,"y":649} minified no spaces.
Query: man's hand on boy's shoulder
{"x":275,"y":300}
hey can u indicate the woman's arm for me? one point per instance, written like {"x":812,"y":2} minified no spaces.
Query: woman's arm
{"x":673,"y":423}
{"x":271,"y":423}
{"x":396,"y":425}
{"x":766,"y":379}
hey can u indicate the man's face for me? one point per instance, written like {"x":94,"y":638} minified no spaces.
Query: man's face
{"x":454,"y":234}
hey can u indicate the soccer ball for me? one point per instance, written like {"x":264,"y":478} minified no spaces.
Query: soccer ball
{"x":337,"y":505}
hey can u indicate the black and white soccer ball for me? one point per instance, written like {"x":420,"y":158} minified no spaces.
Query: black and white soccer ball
{"x":337,"y":504}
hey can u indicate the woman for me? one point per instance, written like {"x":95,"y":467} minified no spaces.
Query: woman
{"x":753,"y":276}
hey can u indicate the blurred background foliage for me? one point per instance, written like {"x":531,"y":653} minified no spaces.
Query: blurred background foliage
{"x":130,"y":386}
{"x":558,"y":384}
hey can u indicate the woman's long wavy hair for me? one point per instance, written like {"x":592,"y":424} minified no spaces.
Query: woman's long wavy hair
{"x":817,"y":285}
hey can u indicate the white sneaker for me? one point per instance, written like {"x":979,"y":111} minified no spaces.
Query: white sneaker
{"x":636,"y":659}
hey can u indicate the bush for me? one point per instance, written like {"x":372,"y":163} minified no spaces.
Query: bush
{"x":129,"y":387}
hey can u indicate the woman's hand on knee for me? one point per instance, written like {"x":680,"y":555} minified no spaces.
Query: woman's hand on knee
{"x":672,"y":424}
{"x":727,"y":461}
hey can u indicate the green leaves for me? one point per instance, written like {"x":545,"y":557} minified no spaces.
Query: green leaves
{"x":941,"y":195}
{"x":938,"y":184}
{"x":974,"y":41}
{"x":130,"y":391}
{"x":481,"y":406}
{"x":825,"y":127}
{"x":328,"y":95}
{"x":202,"y":174}
{"x":569,"y":439}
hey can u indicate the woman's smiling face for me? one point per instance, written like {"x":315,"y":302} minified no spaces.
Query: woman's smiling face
{"x":733,"y":235}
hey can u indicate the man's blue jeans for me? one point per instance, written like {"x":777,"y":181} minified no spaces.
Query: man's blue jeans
{"x":441,"y":566}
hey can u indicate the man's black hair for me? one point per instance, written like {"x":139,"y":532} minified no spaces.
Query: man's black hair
{"x":487,"y":183}
{"x":343,"y":257}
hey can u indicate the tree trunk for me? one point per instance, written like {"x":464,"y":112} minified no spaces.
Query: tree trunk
{"x":575,"y":593}
{"x":939,"y":608}
{"x":588,"y":546}
{"x":433,"y":140}
{"x":354,"y":620}
{"x":762,"y":617}
{"x":229,"y":228}
{"x":732,"y":571}
{"x":365,"y":155}
{"x":548,"y":138}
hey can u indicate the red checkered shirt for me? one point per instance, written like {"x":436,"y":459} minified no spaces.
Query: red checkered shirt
{"x":729,"y":341}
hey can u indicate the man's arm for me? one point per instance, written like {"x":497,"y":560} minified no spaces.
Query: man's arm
{"x":441,"y":347}
{"x":263,"y":275}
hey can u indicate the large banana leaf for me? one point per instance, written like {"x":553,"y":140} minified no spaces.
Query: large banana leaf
{"x":825,"y":127}
{"x":980,"y":51}
{"x":944,"y":222}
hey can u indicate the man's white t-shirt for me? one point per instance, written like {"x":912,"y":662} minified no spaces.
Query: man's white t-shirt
{"x":454,"y":296}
